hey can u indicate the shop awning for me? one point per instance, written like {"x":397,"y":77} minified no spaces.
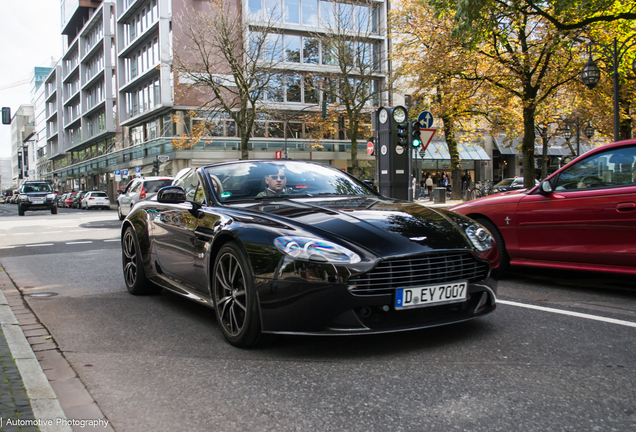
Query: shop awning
{"x":467,"y":152}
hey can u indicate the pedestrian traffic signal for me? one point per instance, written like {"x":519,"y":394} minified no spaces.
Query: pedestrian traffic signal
{"x":155,"y":166}
{"x":416,"y":140}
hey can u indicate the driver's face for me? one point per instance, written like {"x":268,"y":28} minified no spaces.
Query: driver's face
{"x":276,"y":182}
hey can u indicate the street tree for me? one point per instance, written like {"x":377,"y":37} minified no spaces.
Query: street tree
{"x":353,"y":81}
{"x":223,"y":65}
{"x":444,"y":82}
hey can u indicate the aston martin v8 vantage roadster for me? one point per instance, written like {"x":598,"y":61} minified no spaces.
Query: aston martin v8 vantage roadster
{"x":289,"y":247}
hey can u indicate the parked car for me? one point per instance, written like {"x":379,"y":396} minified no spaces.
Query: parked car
{"x":36,"y":195}
{"x":301,"y":247}
{"x":95,"y":199}
{"x":68,"y":201}
{"x":77,"y":199}
{"x":1,"y":199}
{"x":581,"y":217}
{"x":60,"y":199}
{"x":137,"y":190}
{"x":509,"y":184}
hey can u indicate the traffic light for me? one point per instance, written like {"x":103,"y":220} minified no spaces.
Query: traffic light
{"x":416,"y":140}
{"x":155,"y":166}
{"x":6,"y":115}
{"x":403,"y":133}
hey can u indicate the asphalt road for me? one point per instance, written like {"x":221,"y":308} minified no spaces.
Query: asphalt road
{"x":160,"y":362}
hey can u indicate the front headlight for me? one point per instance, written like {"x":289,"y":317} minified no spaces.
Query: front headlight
{"x":50,"y":196}
{"x":23,"y":197}
{"x":315,"y":250}
{"x":480,"y":237}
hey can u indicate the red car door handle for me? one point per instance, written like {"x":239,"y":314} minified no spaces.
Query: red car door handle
{"x":627,"y":206}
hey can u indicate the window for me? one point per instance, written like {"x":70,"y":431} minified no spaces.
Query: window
{"x":292,"y":48}
{"x":275,"y":88}
{"x":312,"y":93}
{"x":311,"y":52}
{"x":310,"y":12}
{"x":612,"y":168}
{"x":293,"y":88}
{"x":292,"y":11}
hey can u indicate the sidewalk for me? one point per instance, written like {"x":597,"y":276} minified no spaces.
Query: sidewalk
{"x":39,"y":391}
{"x":429,"y":203}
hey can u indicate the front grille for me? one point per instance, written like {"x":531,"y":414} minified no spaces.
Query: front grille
{"x":419,"y":271}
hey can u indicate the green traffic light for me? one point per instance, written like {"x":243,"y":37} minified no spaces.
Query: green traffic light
{"x":417,"y":143}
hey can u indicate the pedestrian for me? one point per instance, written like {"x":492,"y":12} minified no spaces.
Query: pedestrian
{"x":414,"y":182}
{"x":429,"y":186}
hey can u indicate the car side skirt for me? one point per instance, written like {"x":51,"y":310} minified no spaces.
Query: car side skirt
{"x":575,"y":266}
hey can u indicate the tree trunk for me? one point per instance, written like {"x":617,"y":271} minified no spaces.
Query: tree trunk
{"x":355,"y":169}
{"x":455,"y":166}
{"x":544,"y":157}
{"x":528,"y":145}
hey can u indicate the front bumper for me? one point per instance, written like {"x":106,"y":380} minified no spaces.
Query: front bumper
{"x":317,"y":299}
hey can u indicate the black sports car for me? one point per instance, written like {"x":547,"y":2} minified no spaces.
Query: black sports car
{"x":282,"y":247}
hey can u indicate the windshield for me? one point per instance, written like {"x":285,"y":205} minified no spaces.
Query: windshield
{"x":36,"y":187}
{"x":289,"y":179}
{"x":504,"y":182}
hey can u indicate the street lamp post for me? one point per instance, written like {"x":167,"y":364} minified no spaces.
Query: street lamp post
{"x":591,"y":74}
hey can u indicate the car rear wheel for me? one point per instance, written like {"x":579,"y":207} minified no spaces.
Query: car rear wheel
{"x":134,"y":273}
{"x":20,"y":210}
{"x":504,"y":258}
{"x":234,"y":298}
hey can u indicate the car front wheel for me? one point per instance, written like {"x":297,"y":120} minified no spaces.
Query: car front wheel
{"x":234,"y":297}
{"x":20,"y":210}
{"x":121,"y":216}
{"x":134,"y":273}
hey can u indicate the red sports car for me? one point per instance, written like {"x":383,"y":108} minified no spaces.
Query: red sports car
{"x":582,"y":217}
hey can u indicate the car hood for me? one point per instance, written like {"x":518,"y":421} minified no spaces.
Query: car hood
{"x":509,"y":197}
{"x":386,"y":227}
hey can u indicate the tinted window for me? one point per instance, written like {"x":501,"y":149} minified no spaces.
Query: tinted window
{"x":98,"y":194}
{"x":153,"y":186}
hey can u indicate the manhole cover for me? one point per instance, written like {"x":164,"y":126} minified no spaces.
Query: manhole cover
{"x":43,"y":294}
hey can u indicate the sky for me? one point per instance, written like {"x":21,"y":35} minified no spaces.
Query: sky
{"x":30,"y":34}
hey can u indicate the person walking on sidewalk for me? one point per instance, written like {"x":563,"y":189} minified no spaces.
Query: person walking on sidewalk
{"x":429,"y":185}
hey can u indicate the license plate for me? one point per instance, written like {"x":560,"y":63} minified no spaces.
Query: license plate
{"x":38,"y":201}
{"x":407,"y":298}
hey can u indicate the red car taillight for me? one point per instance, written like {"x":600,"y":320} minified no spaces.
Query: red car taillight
{"x":91,"y":198}
{"x":142,"y":194}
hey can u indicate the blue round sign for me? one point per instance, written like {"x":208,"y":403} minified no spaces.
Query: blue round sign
{"x":425,"y":119}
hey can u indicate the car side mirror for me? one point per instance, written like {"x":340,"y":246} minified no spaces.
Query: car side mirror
{"x":546,"y":187}
{"x":171,"y":195}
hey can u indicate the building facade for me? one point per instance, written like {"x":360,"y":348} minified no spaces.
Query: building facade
{"x":112,"y":103}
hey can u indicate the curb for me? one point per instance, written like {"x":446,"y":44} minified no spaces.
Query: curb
{"x":52,"y":386}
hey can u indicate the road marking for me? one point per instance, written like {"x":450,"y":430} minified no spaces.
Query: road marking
{"x":22,"y":233}
{"x":7,"y":247}
{"x":41,"y":244}
{"x":53,"y":232}
{"x":81,"y":230}
{"x":574,"y":314}
{"x":112,"y":240}
{"x":80,"y":242}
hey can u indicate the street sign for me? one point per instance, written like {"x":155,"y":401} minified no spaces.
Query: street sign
{"x":370,"y":148}
{"x":124,"y":173}
{"x":163,"y":158}
{"x":117,"y":175}
{"x":426,"y":136}
{"x":278,"y":154}
{"x":137,"y":170}
{"x":425,"y":119}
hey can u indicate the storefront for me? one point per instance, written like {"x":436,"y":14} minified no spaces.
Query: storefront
{"x":435,"y":161}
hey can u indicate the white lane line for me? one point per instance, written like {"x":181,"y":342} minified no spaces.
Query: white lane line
{"x":570,"y":313}
{"x":112,"y":240}
{"x":80,"y":242}
{"x":7,"y":247}
{"x":23,"y":233}
{"x":41,"y":244}
{"x":53,"y":232}
{"x":81,"y":230}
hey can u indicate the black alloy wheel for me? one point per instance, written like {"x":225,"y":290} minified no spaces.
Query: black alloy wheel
{"x":134,"y":273}
{"x":234,"y":297}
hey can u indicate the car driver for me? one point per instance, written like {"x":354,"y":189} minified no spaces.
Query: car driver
{"x":275,"y":183}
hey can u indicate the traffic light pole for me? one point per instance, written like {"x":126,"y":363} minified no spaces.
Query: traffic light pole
{"x":410,"y":150}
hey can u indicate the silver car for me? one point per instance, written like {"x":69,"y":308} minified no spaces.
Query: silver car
{"x":137,"y":190}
